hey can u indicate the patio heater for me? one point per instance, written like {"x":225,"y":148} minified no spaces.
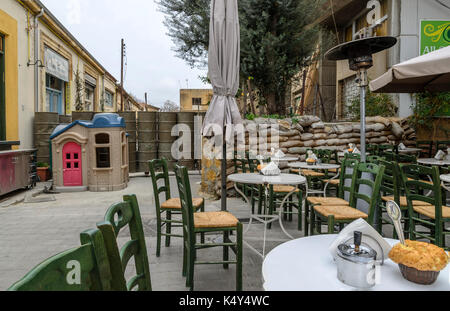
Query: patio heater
{"x":359,"y":54}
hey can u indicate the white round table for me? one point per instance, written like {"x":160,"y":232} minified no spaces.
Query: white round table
{"x":409,"y":150}
{"x":433,"y":161}
{"x":259,"y":179}
{"x":446,"y":181}
{"x":307,"y":265}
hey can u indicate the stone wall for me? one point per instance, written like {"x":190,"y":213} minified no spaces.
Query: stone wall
{"x":296,"y":136}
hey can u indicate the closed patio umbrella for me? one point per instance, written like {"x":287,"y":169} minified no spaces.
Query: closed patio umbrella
{"x":429,"y":72}
{"x":223,"y":65}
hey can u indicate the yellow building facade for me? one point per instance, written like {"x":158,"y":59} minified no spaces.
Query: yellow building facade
{"x":43,"y":63}
{"x":195,"y":100}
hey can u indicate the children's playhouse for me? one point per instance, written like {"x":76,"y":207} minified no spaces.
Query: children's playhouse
{"x":91,"y":155}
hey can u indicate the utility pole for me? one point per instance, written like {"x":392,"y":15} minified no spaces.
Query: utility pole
{"x":122,"y":48}
{"x":146,"y":102}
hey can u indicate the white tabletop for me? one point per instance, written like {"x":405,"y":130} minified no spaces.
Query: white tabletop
{"x":306,"y":265}
{"x":445,"y":178}
{"x":323,"y":166}
{"x":433,"y":161}
{"x":409,"y":150}
{"x":285,"y":159}
{"x":258,"y":179}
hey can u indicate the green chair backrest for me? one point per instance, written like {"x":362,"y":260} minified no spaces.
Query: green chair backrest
{"x":84,"y":268}
{"x":159,"y":171}
{"x":406,"y":159}
{"x":374,"y":159}
{"x":184,"y":189}
{"x":372,"y":149}
{"x":416,"y":187}
{"x":348,"y":173}
{"x":240,"y":165}
{"x":127,"y":214}
{"x":376,"y":173}
{"x":427,"y":148}
{"x":389,"y":155}
{"x":253,"y":165}
{"x":353,"y":156}
{"x":385,"y":148}
{"x":391,"y":183}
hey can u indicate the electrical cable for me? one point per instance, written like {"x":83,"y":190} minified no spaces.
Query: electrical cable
{"x":334,"y":21}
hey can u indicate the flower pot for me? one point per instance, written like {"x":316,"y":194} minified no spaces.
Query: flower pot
{"x":43,"y":173}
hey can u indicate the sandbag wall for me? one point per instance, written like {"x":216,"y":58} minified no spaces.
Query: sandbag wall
{"x":296,"y":136}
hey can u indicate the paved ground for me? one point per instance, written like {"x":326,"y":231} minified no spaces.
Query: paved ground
{"x":31,"y":232}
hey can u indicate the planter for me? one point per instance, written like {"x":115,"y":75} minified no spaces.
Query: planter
{"x":43,"y":173}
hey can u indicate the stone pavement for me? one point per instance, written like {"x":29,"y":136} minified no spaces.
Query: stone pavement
{"x":32,"y":232}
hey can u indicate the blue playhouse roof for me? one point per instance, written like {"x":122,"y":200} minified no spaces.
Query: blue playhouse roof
{"x":101,"y":120}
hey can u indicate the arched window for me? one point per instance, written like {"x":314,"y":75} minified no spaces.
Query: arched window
{"x":102,"y":150}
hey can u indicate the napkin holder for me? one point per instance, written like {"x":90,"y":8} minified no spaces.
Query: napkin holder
{"x":440,"y":155}
{"x":370,"y":237}
{"x":271,"y":170}
{"x":401,"y":146}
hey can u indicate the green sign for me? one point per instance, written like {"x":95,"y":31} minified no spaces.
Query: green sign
{"x":434,"y":35}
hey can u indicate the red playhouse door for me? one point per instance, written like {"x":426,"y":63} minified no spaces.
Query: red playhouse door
{"x":72,"y":173}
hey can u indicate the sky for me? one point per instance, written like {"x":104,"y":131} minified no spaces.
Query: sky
{"x":152,"y":67}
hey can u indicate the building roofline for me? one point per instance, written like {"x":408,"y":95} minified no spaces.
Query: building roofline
{"x":36,"y":6}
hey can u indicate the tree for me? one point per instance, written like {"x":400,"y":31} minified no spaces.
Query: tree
{"x":170,"y":106}
{"x":79,"y":88}
{"x":277,"y":40}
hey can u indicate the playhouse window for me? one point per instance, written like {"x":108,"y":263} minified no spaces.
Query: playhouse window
{"x":102,"y":139}
{"x":103,"y":158}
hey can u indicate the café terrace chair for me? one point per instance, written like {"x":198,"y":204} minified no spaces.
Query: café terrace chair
{"x":427,"y":148}
{"x":84,"y":268}
{"x":256,"y":191}
{"x":170,"y":207}
{"x":348,"y":174}
{"x":121,"y":216}
{"x":223,"y":223}
{"x":431,"y":214}
{"x":340,"y":215}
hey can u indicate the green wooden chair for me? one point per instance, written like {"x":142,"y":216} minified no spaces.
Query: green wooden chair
{"x":256,"y":191}
{"x":427,"y":148}
{"x":430,"y":213}
{"x":372,"y":149}
{"x":276,"y":197}
{"x":210,"y":222}
{"x":348,"y":173}
{"x":389,"y":156}
{"x":406,"y":159}
{"x":170,"y":207}
{"x":382,"y":149}
{"x":123,"y":215}
{"x":84,"y":268}
{"x":334,"y":215}
{"x":374,"y":159}
{"x":392,"y":189}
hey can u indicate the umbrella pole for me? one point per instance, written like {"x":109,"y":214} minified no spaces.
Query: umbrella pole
{"x":363,"y":82}
{"x":224,"y":175}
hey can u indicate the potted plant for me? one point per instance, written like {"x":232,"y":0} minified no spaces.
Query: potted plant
{"x":43,"y":171}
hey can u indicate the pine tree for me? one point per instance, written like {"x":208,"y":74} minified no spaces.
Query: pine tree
{"x":277,"y":40}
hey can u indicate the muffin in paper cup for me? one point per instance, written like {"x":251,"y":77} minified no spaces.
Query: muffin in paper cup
{"x":419,"y":262}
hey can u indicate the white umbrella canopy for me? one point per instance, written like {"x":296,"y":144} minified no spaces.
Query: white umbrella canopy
{"x":223,"y":65}
{"x":429,"y":72}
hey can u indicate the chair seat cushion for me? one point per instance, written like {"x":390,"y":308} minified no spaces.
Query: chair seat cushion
{"x":404,"y":201}
{"x":285,"y":189}
{"x":430,"y":211}
{"x":340,"y":212}
{"x":327,"y":201}
{"x":311,"y":173}
{"x":215,"y":220}
{"x":335,"y":182}
{"x":424,"y":181}
{"x":175,"y":203}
